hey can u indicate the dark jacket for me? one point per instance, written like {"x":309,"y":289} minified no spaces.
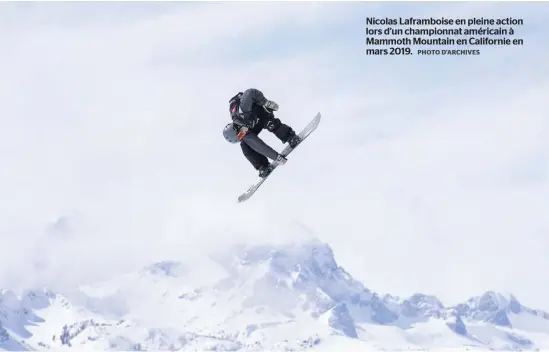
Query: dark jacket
{"x":247,"y":108}
{"x":247,"y":105}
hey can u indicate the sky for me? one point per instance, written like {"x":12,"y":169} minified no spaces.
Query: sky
{"x":427,"y":174}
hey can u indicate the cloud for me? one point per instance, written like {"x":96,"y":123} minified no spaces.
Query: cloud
{"x":422,"y":168}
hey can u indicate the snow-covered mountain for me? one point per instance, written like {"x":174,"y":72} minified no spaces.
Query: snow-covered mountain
{"x":276,"y":298}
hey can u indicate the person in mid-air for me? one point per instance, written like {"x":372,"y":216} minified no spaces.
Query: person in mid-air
{"x":251,"y":112}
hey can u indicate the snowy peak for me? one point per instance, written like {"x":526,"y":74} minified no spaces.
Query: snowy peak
{"x":268,"y":297}
{"x":421,"y":305}
{"x":425,"y":302}
{"x":27,"y":300}
{"x":494,"y":308}
{"x":313,"y":255}
{"x":302,"y":276}
{"x":303,"y":266}
{"x":491,"y":301}
{"x":19,"y":315}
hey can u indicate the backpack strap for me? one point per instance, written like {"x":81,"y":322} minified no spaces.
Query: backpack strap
{"x":234,"y":106}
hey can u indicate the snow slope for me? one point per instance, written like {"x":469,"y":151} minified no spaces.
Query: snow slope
{"x":277,"y":298}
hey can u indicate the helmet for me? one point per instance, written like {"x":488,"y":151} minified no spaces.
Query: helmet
{"x":229,"y":132}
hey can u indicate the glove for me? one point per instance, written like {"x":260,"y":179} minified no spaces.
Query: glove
{"x":241,"y":133}
{"x":270,"y":105}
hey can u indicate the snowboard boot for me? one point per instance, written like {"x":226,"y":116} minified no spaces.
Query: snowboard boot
{"x":264,"y":171}
{"x":293,"y":140}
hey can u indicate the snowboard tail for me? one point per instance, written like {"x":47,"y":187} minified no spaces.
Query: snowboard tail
{"x":311,"y":126}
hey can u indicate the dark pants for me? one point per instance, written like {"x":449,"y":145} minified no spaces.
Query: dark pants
{"x":282,"y":131}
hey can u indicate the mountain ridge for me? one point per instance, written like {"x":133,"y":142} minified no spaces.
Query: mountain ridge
{"x":278,"y":297}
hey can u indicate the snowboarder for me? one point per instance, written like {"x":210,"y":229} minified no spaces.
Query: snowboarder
{"x":251,"y":112}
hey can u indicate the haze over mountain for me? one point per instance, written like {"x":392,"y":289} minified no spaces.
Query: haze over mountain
{"x":283,"y":297}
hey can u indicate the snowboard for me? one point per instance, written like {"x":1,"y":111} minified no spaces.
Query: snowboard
{"x":313,"y":124}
